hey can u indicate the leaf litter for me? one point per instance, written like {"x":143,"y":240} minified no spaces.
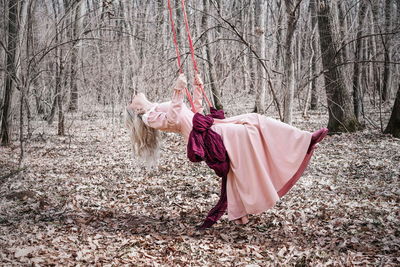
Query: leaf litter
{"x":83,"y":200}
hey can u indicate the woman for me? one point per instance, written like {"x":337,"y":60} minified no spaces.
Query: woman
{"x":266,"y":156}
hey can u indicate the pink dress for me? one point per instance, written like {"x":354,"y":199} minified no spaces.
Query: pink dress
{"x":266,"y":156}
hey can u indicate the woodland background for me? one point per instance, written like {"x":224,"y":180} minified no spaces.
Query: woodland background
{"x":71,"y":193}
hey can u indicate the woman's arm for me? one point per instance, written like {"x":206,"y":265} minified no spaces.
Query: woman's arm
{"x":198,"y":94}
{"x":167,"y":120}
{"x":177,"y":99}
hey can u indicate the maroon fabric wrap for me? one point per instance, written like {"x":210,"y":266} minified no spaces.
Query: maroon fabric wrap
{"x":205,"y":144}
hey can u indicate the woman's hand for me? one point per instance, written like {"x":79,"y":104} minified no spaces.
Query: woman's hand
{"x":197,"y":80}
{"x":181,"y":82}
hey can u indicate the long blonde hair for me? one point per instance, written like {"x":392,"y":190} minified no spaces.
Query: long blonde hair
{"x":145,"y":140}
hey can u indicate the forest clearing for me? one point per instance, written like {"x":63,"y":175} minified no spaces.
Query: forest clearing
{"x":103,"y":109}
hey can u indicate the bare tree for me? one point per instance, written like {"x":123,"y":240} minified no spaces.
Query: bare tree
{"x":291,"y":10}
{"x":216,"y":95}
{"x":58,"y":67}
{"x":11,"y":71}
{"x":100,"y":52}
{"x":341,"y":113}
{"x":393,"y":126}
{"x":261,"y":91}
{"x":313,"y":47}
{"x":76,"y":26}
{"x":24,"y":73}
{"x":387,"y":49}
{"x":357,"y":95}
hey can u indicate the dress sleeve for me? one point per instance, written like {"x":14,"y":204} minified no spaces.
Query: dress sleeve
{"x":198,"y":99}
{"x":165,"y":120}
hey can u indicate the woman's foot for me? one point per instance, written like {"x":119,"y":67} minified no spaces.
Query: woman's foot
{"x":242,"y":220}
{"x":317,"y":137}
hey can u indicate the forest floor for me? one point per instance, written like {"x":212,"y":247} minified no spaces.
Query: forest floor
{"x":82,"y":200}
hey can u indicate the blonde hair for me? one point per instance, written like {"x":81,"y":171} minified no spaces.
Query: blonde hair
{"x":145,"y":140}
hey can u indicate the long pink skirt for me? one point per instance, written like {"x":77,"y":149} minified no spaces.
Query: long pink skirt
{"x":267,"y":158}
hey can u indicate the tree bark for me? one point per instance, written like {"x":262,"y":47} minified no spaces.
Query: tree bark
{"x":357,"y":101}
{"x":59,"y":72}
{"x":314,"y":93}
{"x":288,"y":60}
{"x":59,"y":66}
{"x":178,"y":22}
{"x":278,"y":35}
{"x":341,"y":114}
{"x":244,"y":67}
{"x":73,"y":104}
{"x":386,"y":46}
{"x":13,"y":29}
{"x":260,"y":99}
{"x":344,"y":53}
{"x":376,"y":50}
{"x":216,"y":95}
{"x":25,"y":72}
{"x":311,"y":91}
{"x":393,"y":126}
{"x":252,"y":65}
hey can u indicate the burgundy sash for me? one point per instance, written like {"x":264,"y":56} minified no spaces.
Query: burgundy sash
{"x":205,"y":144}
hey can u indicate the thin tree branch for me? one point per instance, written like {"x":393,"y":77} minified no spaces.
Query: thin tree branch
{"x":236,"y":32}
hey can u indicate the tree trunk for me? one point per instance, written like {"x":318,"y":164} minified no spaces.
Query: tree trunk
{"x":386,"y":47}
{"x":13,"y":28}
{"x":278,"y":35}
{"x":59,"y":65}
{"x":260,"y":98}
{"x":216,"y":96}
{"x":358,"y":57}
{"x":59,"y":88}
{"x":288,"y":61}
{"x":375,"y":45}
{"x":311,"y":91}
{"x":73,"y":104}
{"x":313,"y":46}
{"x":25,"y":73}
{"x":245,"y":73}
{"x":342,"y":32}
{"x":341,"y":114}
{"x":393,"y":126}
{"x":59,"y":95}
{"x":251,"y":61}
{"x":178,"y":22}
